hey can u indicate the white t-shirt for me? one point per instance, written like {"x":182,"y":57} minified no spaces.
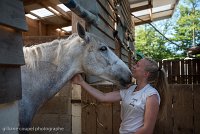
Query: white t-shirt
{"x":133,"y":107}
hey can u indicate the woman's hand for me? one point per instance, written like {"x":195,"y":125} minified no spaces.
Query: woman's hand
{"x":77,"y":79}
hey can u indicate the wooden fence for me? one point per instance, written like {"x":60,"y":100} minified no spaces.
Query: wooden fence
{"x":183,"y":111}
{"x":186,"y":71}
{"x":183,"y":107}
{"x":182,"y":116}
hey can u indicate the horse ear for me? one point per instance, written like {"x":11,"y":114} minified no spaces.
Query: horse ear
{"x":81,"y":32}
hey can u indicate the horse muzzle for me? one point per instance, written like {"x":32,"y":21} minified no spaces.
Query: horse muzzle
{"x":125,"y":80}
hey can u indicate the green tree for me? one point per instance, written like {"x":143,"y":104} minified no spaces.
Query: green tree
{"x":183,"y":29}
{"x":187,"y":28}
{"x":151,"y":44}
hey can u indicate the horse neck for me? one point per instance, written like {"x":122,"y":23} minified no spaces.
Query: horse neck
{"x":57,"y":66}
{"x":42,"y":52}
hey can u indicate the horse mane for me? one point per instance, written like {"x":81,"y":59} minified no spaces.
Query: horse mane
{"x":36,"y":53}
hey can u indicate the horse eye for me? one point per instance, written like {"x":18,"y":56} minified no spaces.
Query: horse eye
{"x":103,"y":48}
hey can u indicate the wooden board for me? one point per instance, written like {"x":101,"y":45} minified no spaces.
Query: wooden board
{"x":127,"y":14}
{"x":183,"y":109}
{"x":116,"y":110}
{"x":198,"y":71}
{"x":100,"y":118}
{"x":12,"y":14}
{"x":182,"y":72}
{"x":124,"y":51}
{"x":10,"y":87}
{"x":116,"y":120}
{"x":110,"y":42}
{"x":105,"y":28}
{"x":104,"y":113}
{"x":106,"y":17}
{"x":125,"y":59}
{"x":89,"y":121}
{"x":196,"y":89}
{"x":175,"y":71}
{"x":189,"y":71}
{"x":11,"y":47}
{"x":120,"y":32}
{"x":107,"y":8}
{"x":118,"y":48}
{"x":164,"y":124}
{"x":90,"y":5}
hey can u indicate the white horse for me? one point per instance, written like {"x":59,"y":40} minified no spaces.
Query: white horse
{"x":50,"y":65}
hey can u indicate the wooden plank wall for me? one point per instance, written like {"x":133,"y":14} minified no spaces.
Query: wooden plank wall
{"x":12,"y":23}
{"x":108,"y":18}
{"x":38,"y":28}
{"x":34,"y":40}
{"x":105,"y":24}
{"x":99,"y":118}
{"x":12,"y":14}
{"x":196,"y":92}
{"x":183,"y":111}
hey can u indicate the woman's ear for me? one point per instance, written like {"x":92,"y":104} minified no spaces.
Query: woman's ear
{"x":146,"y":74}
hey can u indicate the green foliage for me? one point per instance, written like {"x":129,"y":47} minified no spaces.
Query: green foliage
{"x":187,"y":28}
{"x":151,"y":44}
{"x":183,"y":29}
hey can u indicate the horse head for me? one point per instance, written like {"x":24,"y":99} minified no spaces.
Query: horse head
{"x":99,"y":60}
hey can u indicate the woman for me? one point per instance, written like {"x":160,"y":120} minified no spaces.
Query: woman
{"x":140,"y":103}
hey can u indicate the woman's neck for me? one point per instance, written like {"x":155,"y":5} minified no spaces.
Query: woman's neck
{"x":140,"y":85}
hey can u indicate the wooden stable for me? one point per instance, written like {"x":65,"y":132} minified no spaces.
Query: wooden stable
{"x":66,"y":110}
{"x":74,"y":111}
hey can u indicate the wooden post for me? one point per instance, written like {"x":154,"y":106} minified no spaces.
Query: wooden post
{"x":12,"y":23}
{"x":11,"y":53}
{"x":76,"y":89}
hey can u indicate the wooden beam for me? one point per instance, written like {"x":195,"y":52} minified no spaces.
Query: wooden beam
{"x":40,"y":18}
{"x":30,"y":2}
{"x":142,"y":22}
{"x":65,"y":15}
{"x":137,"y":1}
{"x":58,"y":15}
{"x":141,"y":8}
{"x":154,"y":19}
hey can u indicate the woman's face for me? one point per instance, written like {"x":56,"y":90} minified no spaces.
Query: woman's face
{"x":138,"y":70}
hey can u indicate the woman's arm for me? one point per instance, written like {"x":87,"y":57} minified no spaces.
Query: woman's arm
{"x":100,"y":96}
{"x":150,"y":116}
